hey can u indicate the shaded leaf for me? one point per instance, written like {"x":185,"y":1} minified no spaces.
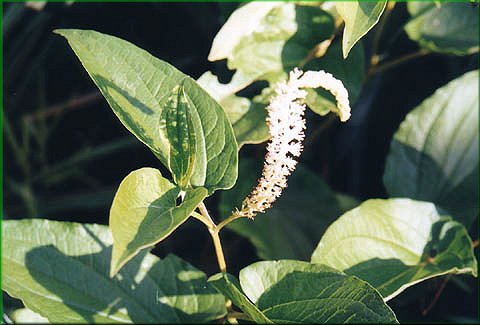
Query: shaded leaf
{"x":434,"y":154}
{"x":139,"y":88}
{"x":229,"y":286}
{"x":144,"y":212}
{"x":451,"y":28}
{"x":289,"y":291}
{"x":394,"y":244}
{"x":247,"y":116}
{"x":61,"y":271}
{"x":359,"y":17}
{"x":264,"y":41}
{"x":292,"y":226}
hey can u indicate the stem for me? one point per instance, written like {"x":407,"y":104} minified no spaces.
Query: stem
{"x":213,"y":229}
{"x":218,"y":250}
{"x":437,"y":295}
{"x":200,"y":217}
{"x":71,"y":104}
{"x":393,"y":63}
{"x":25,"y":190}
{"x":227,"y":221}
{"x":378,"y":34}
{"x":18,"y":154}
{"x":204,"y":212}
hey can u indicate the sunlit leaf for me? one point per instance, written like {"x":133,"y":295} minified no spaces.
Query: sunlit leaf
{"x":139,"y":89}
{"x":144,"y":212}
{"x":265,"y":40}
{"x":61,"y":271}
{"x":393,"y":244}
{"x":288,"y":291}
{"x":229,"y":286}
{"x":26,"y":316}
{"x":434,"y":154}
{"x":359,"y":17}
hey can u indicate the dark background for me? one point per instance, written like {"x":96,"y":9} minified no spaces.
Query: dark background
{"x":65,"y":153}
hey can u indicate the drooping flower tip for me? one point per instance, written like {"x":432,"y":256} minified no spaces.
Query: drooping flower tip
{"x":286,"y":127}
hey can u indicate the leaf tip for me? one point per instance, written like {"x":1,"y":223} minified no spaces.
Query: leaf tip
{"x":66,"y":32}
{"x":212,"y":56}
{"x":114,"y":268}
{"x":59,"y":31}
{"x":215,"y":277}
{"x":117,"y":261}
{"x":346,"y":49}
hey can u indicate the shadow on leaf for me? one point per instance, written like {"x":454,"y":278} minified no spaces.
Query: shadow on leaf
{"x":146,"y":290}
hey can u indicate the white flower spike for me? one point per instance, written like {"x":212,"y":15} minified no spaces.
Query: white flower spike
{"x":286,"y":127}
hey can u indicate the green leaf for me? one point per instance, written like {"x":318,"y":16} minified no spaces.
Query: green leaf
{"x":251,"y":128}
{"x":229,"y":286}
{"x":351,"y":71}
{"x":451,"y":28}
{"x":265,"y":40}
{"x":26,"y":316}
{"x":434,"y":154}
{"x":359,"y":17}
{"x":61,"y":271}
{"x":292,"y":226}
{"x":139,"y":89}
{"x":181,"y":135}
{"x":248,"y":117}
{"x":393,"y":244}
{"x":289,"y":291}
{"x":144,"y":212}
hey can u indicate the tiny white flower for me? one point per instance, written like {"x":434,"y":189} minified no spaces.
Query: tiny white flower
{"x":286,"y":127}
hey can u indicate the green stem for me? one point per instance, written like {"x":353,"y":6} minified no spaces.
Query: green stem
{"x":213,"y":229}
{"x":227,"y":221}
{"x":18,"y":154}
{"x":205,"y":215}
{"x":218,"y":250}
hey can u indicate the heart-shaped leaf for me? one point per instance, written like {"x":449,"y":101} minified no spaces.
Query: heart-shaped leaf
{"x":144,"y":212}
{"x":393,"y":244}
